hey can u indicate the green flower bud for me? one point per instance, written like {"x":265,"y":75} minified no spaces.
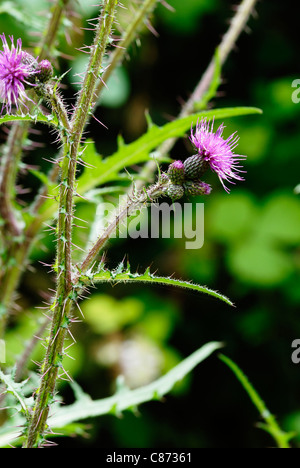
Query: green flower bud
{"x":194,"y":167}
{"x":163,"y":178}
{"x":196,"y":187}
{"x":44,"y":71}
{"x":175,"y":191}
{"x":176,"y":172}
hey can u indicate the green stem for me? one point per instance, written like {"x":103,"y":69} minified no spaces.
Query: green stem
{"x":118,"y":54}
{"x":62,"y":305}
{"x":13,"y":262}
{"x":52,"y":364}
{"x":87,"y":94}
{"x":9,"y":166}
{"x":10,"y":281}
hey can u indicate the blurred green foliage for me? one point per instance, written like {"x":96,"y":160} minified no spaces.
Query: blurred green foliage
{"x":251,"y":250}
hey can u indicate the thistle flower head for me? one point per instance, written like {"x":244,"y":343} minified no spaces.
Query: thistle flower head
{"x":15,"y":71}
{"x":217,"y":151}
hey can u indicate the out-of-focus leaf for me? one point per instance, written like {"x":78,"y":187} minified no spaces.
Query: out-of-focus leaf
{"x":255,"y":140}
{"x":107,"y":315}
{"x":21,"y":15}
{"x":229,"y":218}
{"x":259,"y":263}
{"x":280,"y":219}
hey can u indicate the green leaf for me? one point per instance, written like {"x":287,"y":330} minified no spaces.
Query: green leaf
{"x":85,"y":407}
{"x":16,"y":389}
{"x":178,"y":127}
{"x":126,"y":276}
{"x":139,"y":151}
{"x":271,"y":425}
{"x":37,"y":117}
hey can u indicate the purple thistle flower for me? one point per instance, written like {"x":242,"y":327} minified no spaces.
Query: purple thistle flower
{"x":217,"y":152}
{"x":15,"y":69}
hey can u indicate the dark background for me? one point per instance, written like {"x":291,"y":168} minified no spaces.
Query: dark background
{"x":251,"y":250}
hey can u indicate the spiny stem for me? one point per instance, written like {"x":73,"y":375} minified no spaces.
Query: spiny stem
{"x":118,"y":54}
{"x":87,"y":93}
{"x":49,"y":370}
{"x":62,"y":305}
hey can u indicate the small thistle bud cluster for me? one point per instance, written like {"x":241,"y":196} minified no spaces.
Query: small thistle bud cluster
{"x":213,"y":152}
{"x":184,"y":178}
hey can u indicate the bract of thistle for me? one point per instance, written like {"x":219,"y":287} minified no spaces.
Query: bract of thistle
{"x":217,"y":151}
{"x":16,"y":71}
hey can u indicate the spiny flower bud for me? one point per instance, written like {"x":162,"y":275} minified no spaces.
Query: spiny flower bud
{"x":163,"y":178}
{"x":194,"y":167}
{"x":196,"y":187}
{"x":175,"y":191}
{"x":176,"y":172}
{"x":28,"y":59}
{"x":44,"y":71}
